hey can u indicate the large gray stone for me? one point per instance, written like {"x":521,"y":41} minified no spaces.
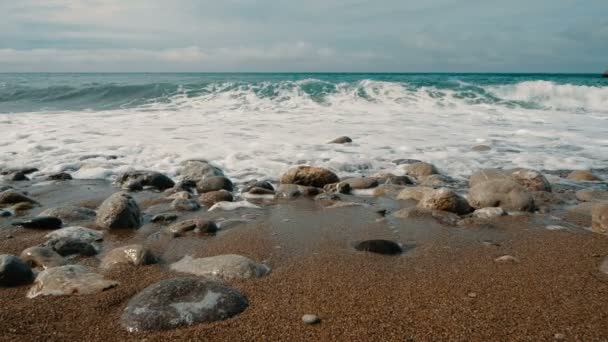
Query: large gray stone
{"x":531,"y":180}
{"x":226,"y":267}
{"x":42,"y":257}
{"x":445,"y":200}
{"x":14,"y":271}
{"x":309,"y":176}
{"x":485,"y":175}
{"x":420,"y":170}
{"x":119,"y":211}
{"x":78,"y":233}
{"x":214,"y":183}
{"x":141,"y":178}
{"x":505,"y":193}
{"x":177,"y":302}
{"x":69,"y":280}
{"x":195,"y":170}
{"x":136,"y":255}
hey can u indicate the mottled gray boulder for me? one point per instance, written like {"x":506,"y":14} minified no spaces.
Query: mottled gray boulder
{"x":134,"y":180}
{"x":224,"y":267}
{"x":178,"y":302}
{"x":361,"y":182}
{"x":119,"y":211}
{"x":316,"y":177}
{"x":10,"y":197}
{"x":197,"y":226}
{"x":195,"y":170}
{"x":583,"y":175}
{"x":420,"y":169}
{"x":214,"y":183}
{"x":341,"y":140}
{"x":485,"y":175}
{"x":42,"y":257}
{"x":68,"y":246}
{"x":445,"y":200}
{"x":69,"y":280}
{"x":599,"y":218}
{"x":506,"y":194}
{"x":531,"y":180}
{"x":181,"y":204}
{"x":41,"y":222}
{"x":77,"y":233}
{"x":70,"y":213}
{"x":212,"y":197}
{"x":136,"y":255}
{"x":14,"y":271}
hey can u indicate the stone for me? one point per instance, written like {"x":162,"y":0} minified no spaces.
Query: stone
{"x":180,"y":195}
{"x":583,"y":175}
{"x":16,"y":177}
{"x":385,"y":247}
{"x":60,"y":176}
{"x":604,"y":266}
{"x":233,"y":205}
{"x":70,"y":213}
{"x":5,"y":213}
{"x":599,"y":218}
{"x":23,"y":206}
{"x":415,"y":193}
{"x":179,"y":302}
{"x":340,"y":188}
{"x":531,"y":180}
{"x":445,"y":200}
{"x":224,"y":267}
{"x":388,"y":190}
{"x":260,"y":191}
{"x":481,"y":148}
{"x":77,"y":233}
{"x":119,"y":211}
{"x":69,"y":280}
{"x":212,"y":197}
{"x":42,"y":257}
{"x":389,"y":178}
{"x":341,"y":140}
{"x":506,"y":194}
{"x":404,"y":161}
{"x":12,"y":197}
{"x":68,"y":246}
{"x":311,"y":319}
{"x":590,"y":195}
{"x":487,"y":175}
{"x":489,"y":213}
{"x":214,"y":183}
{"x":361,"y":182}
{"x":40,"y":222}
{"x":257,"y":184}
{"x":136,"y":255}
{"x":293,"y":190}
{"x":420,"y":170}
{"x":507,"y":259}
{"x":436,"y":181}
{"x":443,"y":217}
{"x":313,"y":176}
{"x":162,"y":218}
{"x":14,"y":271}
{"x":180,"y":204}
{"x":196,"y":170}
{"x":142,"y":178}
{"x":198,"y":226}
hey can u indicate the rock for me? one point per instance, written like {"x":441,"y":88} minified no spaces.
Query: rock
{"x":436,"y":181}
{"x":233,"y":205}
{"x":590,"y":195}
{"x":68,"y":246}
{"x":481,"y":148}
{"x":69,"y":280}
{"x":260,"y":191}
{"x":60,"y":176}
{"x":178,"y":302}
{"x":583,"y":175}
{"x":40,"y":222}
{"x":141,"y":178}
{"x":14,"y":272}
{"x":443,"y":217}
{"x":12,"y":197}
{"x":507,"y":259}
{"x":257,"y":184}
{"x":198,"y":226}
{"x":599,"y":218}
{"x":224,"y":267}
{"x":180,"y":204}
{"x":76,"y":233}
{"x":23,"y":206}
{"x":403,"y":161}
{"x":309,"y":176}
{"x":136,"y":255}
{"x":489,"y":213}
{"x":487,"y":175}
{"x":119,"y":211}
{"x":16,"y":177}
{"x":415,"y":193}
{"x":361,"y":182}
{"x":341,"y":140}
{"x":70,"y":213}
{"x":389,"y":178}
{"x":604,"y":266}
{"x":310,"y":319}
{"x":42,"y":257}
{"x":180,"y":195}
{"x":293,"y":190}
{"x":531,"y":180}
{"x":379,"y":246}
{"x":213,"y":197}
{"x":420,"y":170}
{"x":605,"y":74}
{"x":5,"y":213}
{"x":196,"y":170}
{"x":162,"y":218}
{"x":445,"y":200}
{"x":340,"y":187}
{"x":214,"y":183}
{"x":506,"y":194}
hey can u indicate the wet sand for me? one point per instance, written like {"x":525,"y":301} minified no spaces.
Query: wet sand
{"x":445,"y":287}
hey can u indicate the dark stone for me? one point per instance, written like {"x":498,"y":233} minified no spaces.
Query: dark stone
{"x":212,"y":197}
{"x":260,"y":191}
{"x":257,"y":184}
{"x":14,"y":271}
{"x":13,"y":197}
{"x":605,"y":74}
{"x":198,"y":226}
{"x":68,"y":246}
{"x":341,"y":140}
{"x":136,"y":180}
{"x":406,"y":161}
{"x":40,"y":222}
{"x":379,"y":246}
{"x":18,"y":177}
{"x":214,"y":183}
{"x":164,"y":218}
{"x":178,"y":302}
{"x":197,"y":170}
{"x":60,"y":176}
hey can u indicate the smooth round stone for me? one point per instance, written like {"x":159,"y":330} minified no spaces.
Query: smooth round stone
{"x":60,"y":176}
{"x":313,"y":176}
{"x":40,"y":222}
{"x":68,"y":246}
{"x":229,"y":266}
{"x":481,"y":148}
{"x":386,"y":247}
{"x":119,"y":211}
{"x":214,"y":183}
{"x":70,"y":213}
{"x":257,"y":184}
{"x":198,"y":226}
{"x":361,"y":182}
{"x":178,"y":302}
{"x":420,"y":169}
{"x":583,"y":175}
{"x":14,"y":271}
{"x":42,"y":257}
{"x":212,"y":197}
{"x":181,"y":204}
{"x":136,"y":255}
{"x":310,"y":319}
{"x":341,"y":140}
{"x":507,"y":259}
{"x":77,"y":233}
{"x":13,"y":197}
{"x":489,"y":213}
{"x":69,"y":280}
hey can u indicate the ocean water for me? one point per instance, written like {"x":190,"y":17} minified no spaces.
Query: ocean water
{"x":259,"y":125}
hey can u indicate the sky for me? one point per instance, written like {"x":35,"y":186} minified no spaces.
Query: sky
{"x":304,"y":36}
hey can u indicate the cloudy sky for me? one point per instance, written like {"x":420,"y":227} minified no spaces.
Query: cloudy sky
{"x":310,"y":35}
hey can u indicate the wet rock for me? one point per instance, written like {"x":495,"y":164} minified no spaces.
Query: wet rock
{"x":445,"y":200}
{"x":481,"y":148}
{"x":590,"y":195}
{"x":406,"y":161}
{"x":485,"y":175}
{"x":40,"y":222}
{"x":180,"y":195}
{"x":70,"y":213}
{"x":119,"y":211}
{"x":443,"y":217}
{"x":341,"y":140}
{"x":340,"y":188}
{"x":76,"y":233}
{"x":436,"y":181}
{"x":507,"y":259}
{"x":42,"y":257}
{"x":389,"y":178}
{"x":260,"y":191}
{"x":309,"y":176}
{"x":16,"y":177}
{"x":162,"y":218}
{"x":361,"y":182}
{"x":489,"y":213}
{"x":604,"y":266}
{"x":60,"y":176}
{"x":180,"y":204}
{"x":293,"y":190}
{"x":213,"y":197}
{"x":233,"y":205}
{"x":5,"y":213}
{"x":531,"y":180}
{"x":69,"y":280}
{"x":311,"y":319}
{"x":22,"y":207}
{"x":12,"y":197}
{"x":386,"y":247}
{"x":198,"y":226}
{"x":136,"y":255}
{"x":583,"y":175}
{"x":506,"y":194}
{"x":68,"y":246}
{"x":214,"y":183}
{"x":257,"y":184}
{"x":599,"y":218}
{"x":14,"y":271}
{"x":225,"y":267}
{"x":139,"y":179}
{"x":420,"y":169}
{"x":178,"y":302}
{"x":415,"y":193}
{"x":196,"y":170}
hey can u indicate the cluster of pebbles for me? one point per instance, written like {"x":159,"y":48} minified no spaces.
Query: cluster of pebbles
{"x":203,"y":296}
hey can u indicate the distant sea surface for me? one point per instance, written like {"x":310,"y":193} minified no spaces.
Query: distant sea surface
{"x":257,"y":125}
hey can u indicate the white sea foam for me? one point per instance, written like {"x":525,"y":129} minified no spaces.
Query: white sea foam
{"x":260,"y":137}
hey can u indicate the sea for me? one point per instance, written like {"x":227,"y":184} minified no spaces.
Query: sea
{"x":257,"y":125}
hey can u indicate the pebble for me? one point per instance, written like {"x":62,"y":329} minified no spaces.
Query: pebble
{"x":386,"y":247}
{"x":507,"y":259}
{"x":311,"y":319}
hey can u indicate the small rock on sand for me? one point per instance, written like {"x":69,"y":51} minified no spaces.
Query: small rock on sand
{"x":583,"y":175}
{"x":504,"y":193}
{"x":445,"y":200}
{"x":599,"y":218}
{"x":507,"y":259}
{"x":69,"y":280}
{"x":226,"y":267}
{"x":42,"y":257}
{"x":385,"y":247}
{"x":14,"y":271}
{"x":341,"y":140}
{"x":310,"y":319}
{"x":136,"y":255}
{"x":198,"y":226}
